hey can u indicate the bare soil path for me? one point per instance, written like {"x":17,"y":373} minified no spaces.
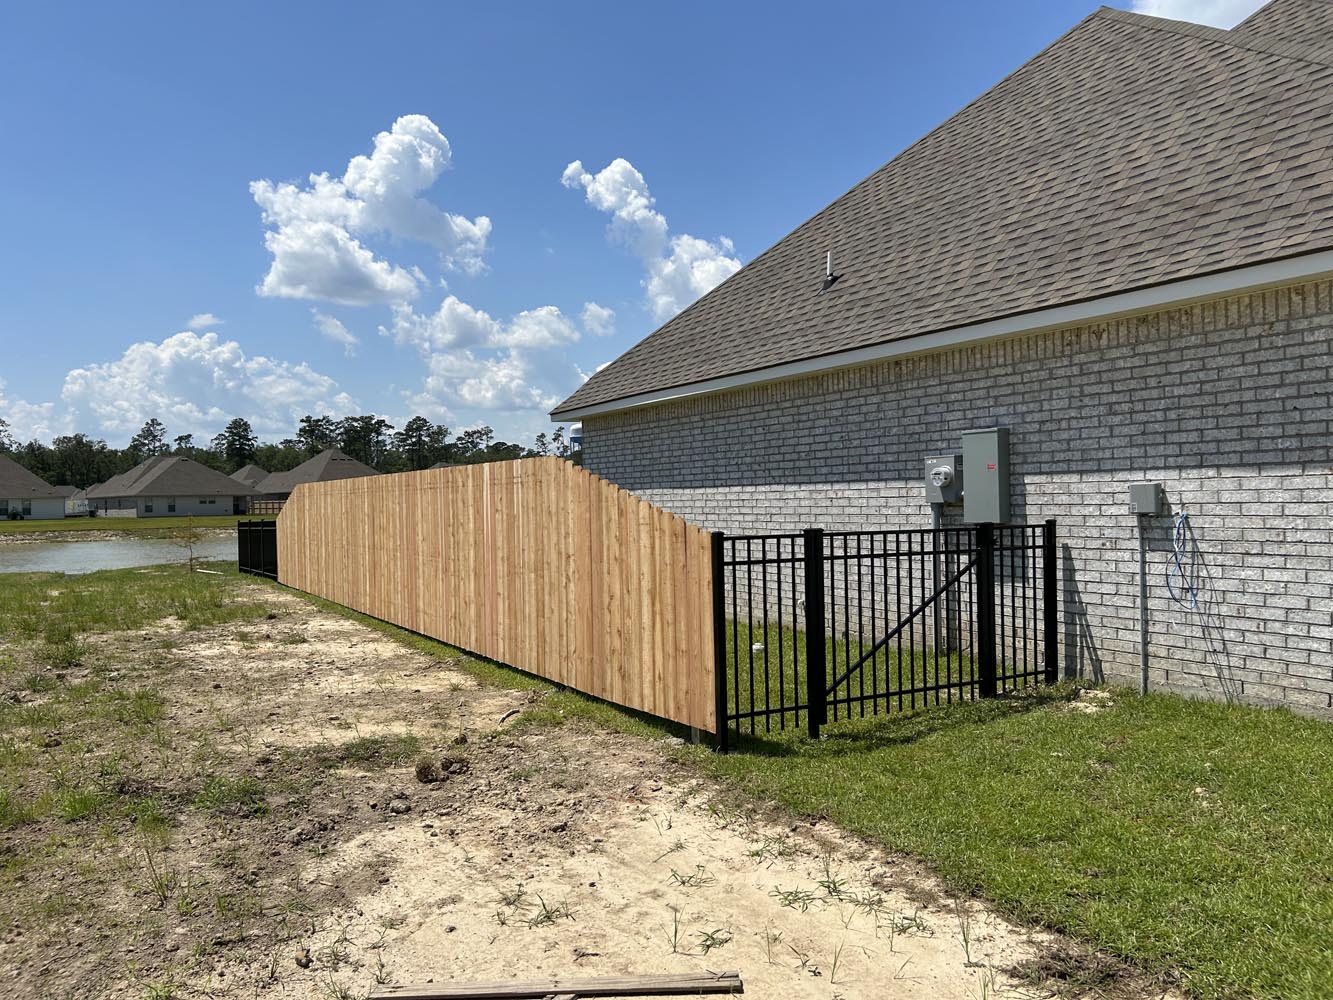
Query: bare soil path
{"x":304,"y":856}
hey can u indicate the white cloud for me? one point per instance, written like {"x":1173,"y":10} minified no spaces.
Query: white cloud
{"x":196,"y":383}
{"x":28,"y":420}
{"x":203,"y":321}
{"x":598,"y":320}
{"x":316,"y":239}
{"x":678,"y":269}
{"x":333,"y":328}
{"x":1219,"y":13}
{"x":474,"y":362}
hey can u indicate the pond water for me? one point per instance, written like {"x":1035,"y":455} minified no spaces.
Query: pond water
{"x":116,"y":553}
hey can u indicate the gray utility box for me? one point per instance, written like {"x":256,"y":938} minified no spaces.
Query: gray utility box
{"x":1147,"y":499}
{"x":986,"y":473}
{"x":944,"y":478}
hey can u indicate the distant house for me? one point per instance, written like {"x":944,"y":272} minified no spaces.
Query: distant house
{"x":167,"y":486}
{"x":24,"y":495}
{"x":251,"y":475}
{"x":76,"y":502}
{"x":325,"y":467}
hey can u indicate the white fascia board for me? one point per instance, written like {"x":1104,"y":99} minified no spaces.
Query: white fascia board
{"x":1156,"y":297}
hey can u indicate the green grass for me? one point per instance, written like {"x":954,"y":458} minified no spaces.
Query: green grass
{"x":1178,"y":834}
{"x":770,"y":662}
{"x":241,"y":796}
{"x":128,"y":525}
{"x":58,"y":608}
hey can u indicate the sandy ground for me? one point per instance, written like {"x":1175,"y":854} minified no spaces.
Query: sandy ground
{"x":545,"y":851}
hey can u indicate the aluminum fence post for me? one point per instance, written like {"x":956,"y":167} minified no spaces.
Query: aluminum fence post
{"x":719,"y":642}
{"x":816,"y":672}
{"x":987,"y":679}
{"x":1050,"y":599}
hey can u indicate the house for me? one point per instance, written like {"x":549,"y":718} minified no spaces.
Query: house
{"x":250,"y":474}
{"x":25,"y":495}
{"x":166,"y":486}
{"x":76,"y":503}
{"x":325,"y":467}
{"x":1123,"y":253}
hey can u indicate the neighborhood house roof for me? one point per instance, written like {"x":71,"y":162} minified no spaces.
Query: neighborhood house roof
{"x":324,"y":467}
{"x":17,"y":483}
{"x":169,"y":476}
{"x":1132,"y":152}
{"x":250,"y":474}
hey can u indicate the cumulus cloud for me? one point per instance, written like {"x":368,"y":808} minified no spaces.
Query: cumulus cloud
{"x":475,"y":362}
{"x":204,"y":321}
{"x":196,"y":383}
{"x":317,"y":228}
{"x":1219,"y":13}
{"x":678,"y":268}
{"x":333,"y":328}
{"x":28,"y":420}
{"x":598,"y":320}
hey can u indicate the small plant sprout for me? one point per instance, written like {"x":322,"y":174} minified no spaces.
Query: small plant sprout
{"x":833,"y":965}
{"x":696,"y":879}
{"x":795,"y":899}
{"x":712,"y":940}
{"x":673,"y":935}
{"x":771,"y":937}
{"x":964,"y":917}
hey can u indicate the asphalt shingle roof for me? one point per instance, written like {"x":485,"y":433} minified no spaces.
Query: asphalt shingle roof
{"x":17,"y":483}
{"x":1307,"y":23}
{"x":1133,"y":151}
{"x":250,"y":474}
{"x":169,"y":476}
{"x":323,"y":468}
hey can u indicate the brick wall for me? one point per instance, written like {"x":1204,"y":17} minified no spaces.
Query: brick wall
{"x":1226,"y":402}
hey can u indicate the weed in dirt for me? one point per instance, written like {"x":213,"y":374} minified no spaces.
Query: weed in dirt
{"x":547,"y":914}
{"x":366,"y":751}
{"x":696,"y":879}
{"x":240,"y":796}
{"x":140,"y":707}
{"x":39,"y":683}
{"x":160,"y":880}
{"x":80,"y":803}
{"x":713,"y":940}
{"x":795,"y":899}
{"x":14,"y":811}
{"x":673,"y":934}
{"x":771,"y":937}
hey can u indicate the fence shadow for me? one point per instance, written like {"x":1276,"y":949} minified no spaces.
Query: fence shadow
{"x":901,"y":729}
{"x":1082,"y":659}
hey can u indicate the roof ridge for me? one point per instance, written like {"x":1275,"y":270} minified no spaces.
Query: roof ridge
{"x":1285,"y":50}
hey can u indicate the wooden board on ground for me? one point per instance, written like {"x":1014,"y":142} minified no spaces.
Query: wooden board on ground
{"x":689,"y":984}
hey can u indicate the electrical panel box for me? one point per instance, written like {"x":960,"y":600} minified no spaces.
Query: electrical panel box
{"x":944,"y":478}
{"x":986,"y":473}
{"x":1147,"y":499}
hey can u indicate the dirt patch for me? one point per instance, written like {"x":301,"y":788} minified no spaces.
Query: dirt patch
{"x":300,"y":856}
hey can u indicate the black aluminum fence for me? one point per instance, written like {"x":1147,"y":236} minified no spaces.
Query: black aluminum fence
{"x":257,"y":548}
{"x":822,"y":626}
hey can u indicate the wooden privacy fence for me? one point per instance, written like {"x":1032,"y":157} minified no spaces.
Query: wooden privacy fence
{"x":535,"y":563}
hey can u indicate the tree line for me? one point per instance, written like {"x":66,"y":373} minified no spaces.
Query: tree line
{"x":81,"y":461}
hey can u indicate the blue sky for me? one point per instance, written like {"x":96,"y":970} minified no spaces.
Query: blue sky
{"x":168,"y":254}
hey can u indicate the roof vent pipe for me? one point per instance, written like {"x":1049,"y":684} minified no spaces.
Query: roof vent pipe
{"x":829,"y":276}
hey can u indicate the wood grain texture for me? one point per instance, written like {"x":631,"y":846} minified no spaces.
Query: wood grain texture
{"x":535,"y":563}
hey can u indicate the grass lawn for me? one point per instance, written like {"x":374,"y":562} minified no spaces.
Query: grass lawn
{"x":129,"y":525}
{"x":1178,"y":834}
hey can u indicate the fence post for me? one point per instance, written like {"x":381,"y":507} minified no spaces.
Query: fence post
{"x":719,"y":642}
{"x":1050,"y":597}
{"x":987,"y":679}
{"x":240,"y":546}
{"x":816,"y":675}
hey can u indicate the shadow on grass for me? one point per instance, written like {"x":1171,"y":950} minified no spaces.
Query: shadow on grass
{"x":897,"y":729}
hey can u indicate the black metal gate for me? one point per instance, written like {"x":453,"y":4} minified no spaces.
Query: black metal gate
{"x":257,"y":548}
{"x":820,"y":626}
